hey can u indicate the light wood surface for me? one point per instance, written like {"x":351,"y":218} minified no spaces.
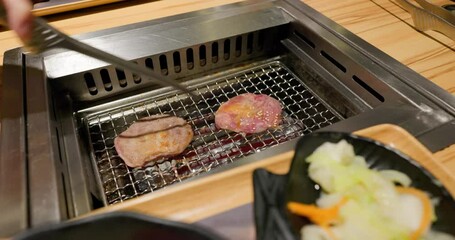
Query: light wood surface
{"x":390,"y":28}
{"x":380,"y":22}
{"x":215,"y":194}
{"x":70,"y":6}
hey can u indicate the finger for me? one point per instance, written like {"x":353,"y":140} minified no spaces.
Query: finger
{"x":19,"y":16}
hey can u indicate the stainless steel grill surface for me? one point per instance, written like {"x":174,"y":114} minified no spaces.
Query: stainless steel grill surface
{"x":211,"y":147}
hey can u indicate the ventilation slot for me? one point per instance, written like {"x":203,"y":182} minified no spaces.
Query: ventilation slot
{"x":215,"y":52}
{"x":189,"y":58}
{"x":227,"y":49}
{"x":202,"y":55}
{"x":121,"y":77}
{"x":58,"y":140}
{"x":305,"y":39}
{"x":238,"y":46}
{"x":368,"y":88}
{"x":90,"y":84}
{"x":332,"y":60}
{"x":249,"y":43}
{"x":163,"y":65}
{"x":177,"y":63}
{"x":106,"y":80}
{"x":149,"y":63}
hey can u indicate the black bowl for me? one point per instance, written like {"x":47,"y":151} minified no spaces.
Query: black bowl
{"x":119,"y":226}
{"x":298,"y":187}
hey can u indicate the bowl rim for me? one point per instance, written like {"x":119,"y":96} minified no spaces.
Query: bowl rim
{"x":377,"y":143}
{"x":443,"y":192}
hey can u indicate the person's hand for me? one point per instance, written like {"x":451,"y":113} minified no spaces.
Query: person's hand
{"x":19,"y":17}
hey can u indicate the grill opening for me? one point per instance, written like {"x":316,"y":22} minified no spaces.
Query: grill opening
{"x":202,"y":55}
{"x":189,"y":58}
{"x":90,"y":83}
{"x":215,"y":52}
{"x":227,"y":49}
{"x":332,"y":60}
{"x":163,"y":65}
{"x":368,"y":88}
{"x":177,"y":64}
{"x":149,"y":63}
{"x":106,"y":79}
{"x":303,"y":113}
{"x":121,"y":77}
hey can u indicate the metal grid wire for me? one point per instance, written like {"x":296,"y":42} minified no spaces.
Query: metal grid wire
{"x":211,"y":147}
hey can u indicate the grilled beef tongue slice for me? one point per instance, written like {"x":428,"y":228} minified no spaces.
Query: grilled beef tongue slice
{"x":249,"y":113}
{"x":152,"y":138}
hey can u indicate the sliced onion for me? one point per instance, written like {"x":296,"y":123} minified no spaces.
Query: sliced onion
{"x":396,"y":177}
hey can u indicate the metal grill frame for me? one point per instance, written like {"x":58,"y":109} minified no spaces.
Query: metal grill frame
{"x":210,"y":147}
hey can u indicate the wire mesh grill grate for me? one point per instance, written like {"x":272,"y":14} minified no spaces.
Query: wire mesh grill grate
{"x":211,"y":147}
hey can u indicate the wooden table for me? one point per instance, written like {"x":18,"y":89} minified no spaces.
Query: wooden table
{"x":388,"y":27}
{"x":380,"y":22}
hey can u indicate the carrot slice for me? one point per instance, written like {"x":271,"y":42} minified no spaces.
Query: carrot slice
{"x":326,"y":216}
{"x":427,"y":210}
{"x":320,"y":216}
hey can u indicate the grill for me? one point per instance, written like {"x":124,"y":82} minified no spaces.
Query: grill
{"x":62,"y":110}
{"x":303,"y":113}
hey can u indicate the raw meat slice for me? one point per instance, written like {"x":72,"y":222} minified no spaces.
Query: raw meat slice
{"x":249,"y":113}
{"x":153,"y":137}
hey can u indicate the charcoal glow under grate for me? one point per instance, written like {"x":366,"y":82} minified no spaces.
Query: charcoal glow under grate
{"x":211,"y":147}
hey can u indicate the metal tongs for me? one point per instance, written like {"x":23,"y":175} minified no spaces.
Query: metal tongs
{"x":428,"y":16}
{"x":45,"y":37}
